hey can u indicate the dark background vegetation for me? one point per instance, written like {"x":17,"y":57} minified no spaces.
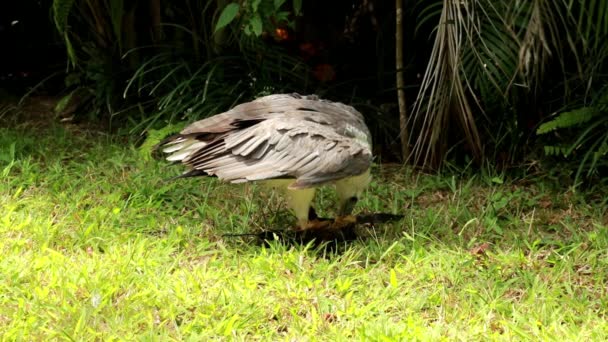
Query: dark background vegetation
{"x":518,"y":85}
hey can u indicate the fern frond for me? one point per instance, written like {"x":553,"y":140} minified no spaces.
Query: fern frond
{"x":569,"y":119}
{"x":557,"y":150}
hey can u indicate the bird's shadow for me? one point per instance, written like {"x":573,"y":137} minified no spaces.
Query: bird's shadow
{"x":330,"y":239}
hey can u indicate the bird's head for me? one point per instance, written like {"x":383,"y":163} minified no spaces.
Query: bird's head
{"x":349,"y":191}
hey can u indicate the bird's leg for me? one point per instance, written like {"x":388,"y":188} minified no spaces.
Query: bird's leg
{"x":299,"y":201}
{"x":312,"y":214}
{"x":313,"y":221}
{"x":345,"y":218}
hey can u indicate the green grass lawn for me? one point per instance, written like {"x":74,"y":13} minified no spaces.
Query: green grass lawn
{"x":96,"y":245}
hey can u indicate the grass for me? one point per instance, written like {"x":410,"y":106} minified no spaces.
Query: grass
{"x":96,"y":245}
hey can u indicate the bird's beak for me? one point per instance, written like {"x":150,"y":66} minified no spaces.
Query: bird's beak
{"x":346,"y":208}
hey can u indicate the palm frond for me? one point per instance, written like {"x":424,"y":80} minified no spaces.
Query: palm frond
{"x":484,"y":48}
{"x":442,"y":97}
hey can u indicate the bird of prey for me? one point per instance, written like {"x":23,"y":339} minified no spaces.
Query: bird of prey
{"x":289,"y":142}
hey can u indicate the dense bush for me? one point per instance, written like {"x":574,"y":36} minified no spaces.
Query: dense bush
{"x":482,"y":75}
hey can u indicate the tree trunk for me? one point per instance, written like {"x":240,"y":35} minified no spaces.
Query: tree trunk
{"x":155,"y":18}
{"x":130,"y":36}
{"x":403,"y":133}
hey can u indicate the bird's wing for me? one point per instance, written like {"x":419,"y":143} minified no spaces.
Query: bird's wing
{"x":309,"y":108}
{"x":311,"y":153}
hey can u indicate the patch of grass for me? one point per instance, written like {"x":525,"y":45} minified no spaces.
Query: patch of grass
{"x":96,"y":244}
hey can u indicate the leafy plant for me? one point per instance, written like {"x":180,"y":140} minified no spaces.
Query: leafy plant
{"x":588,"y":136}
{"x":190,"y":67}
{"x":96,"y":33}
{"x":491,"y":57}
{"x":176,"y":89}
{"x":257,"y":15}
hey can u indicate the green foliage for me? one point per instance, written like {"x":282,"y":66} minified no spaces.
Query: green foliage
{"x":258,"y":15}
{"x":8,"y":155}
{"x":94,"y":43}
{"x":297,"y":6}
{"x":63,"y":103}
{"x":191,"y":68}
{"x":227,"y":16}
{"x":592,"y":17}
{"x":61,"y":12}
{"x":491,"y":60}
{"x":184,"y":90}
{"x":556,"y":150}
{"x":586,"y":136}
{"x":495,"y":70}
{"x":569,"y":119}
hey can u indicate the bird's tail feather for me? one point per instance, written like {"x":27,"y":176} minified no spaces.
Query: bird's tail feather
{"x":182,"y":147}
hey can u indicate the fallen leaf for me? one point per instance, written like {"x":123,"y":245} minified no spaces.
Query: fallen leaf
{"x":329,"y":317}
{"x":480,"y":249}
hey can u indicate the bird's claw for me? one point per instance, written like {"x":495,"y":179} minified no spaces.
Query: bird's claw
{"x":336,"y":224}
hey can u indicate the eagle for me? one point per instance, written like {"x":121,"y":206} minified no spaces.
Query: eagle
{"x":288,"y":142}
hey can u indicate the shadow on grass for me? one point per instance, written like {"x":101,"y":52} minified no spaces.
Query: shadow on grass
{"x":326,"y":239}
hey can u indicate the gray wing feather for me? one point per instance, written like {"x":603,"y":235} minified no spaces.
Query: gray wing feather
{"x":310,"y":108}
{"x":309,"y":152}
{"x":277,"y":136}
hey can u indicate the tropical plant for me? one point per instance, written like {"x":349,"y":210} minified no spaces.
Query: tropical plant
{"x":583,"y":136}
{"x":491,"y":60}
{"x":209,"y":75}
{"x":96,"y":33}
{"x":181,"y":90}
{"x":182,"y":60}
{"x":257,"y":15}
